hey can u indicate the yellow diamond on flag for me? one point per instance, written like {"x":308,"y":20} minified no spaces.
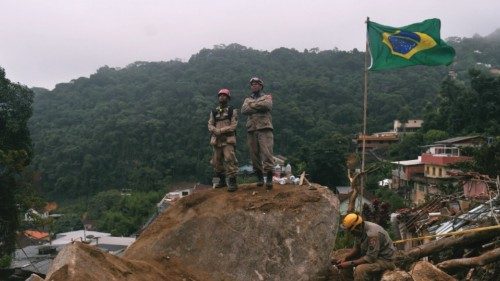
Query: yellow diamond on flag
{"x":406,"y":43}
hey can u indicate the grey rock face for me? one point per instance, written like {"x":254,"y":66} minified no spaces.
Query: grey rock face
{"x":286,"y":233}
{"x":283,"y":234}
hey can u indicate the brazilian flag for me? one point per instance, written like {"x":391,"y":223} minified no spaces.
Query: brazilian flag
{"x":415,"y":44}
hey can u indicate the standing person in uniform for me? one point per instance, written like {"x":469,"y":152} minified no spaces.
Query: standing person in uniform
{"x":222,"y":125}
{"x":373,"y":252}
{"x":260,"y":137}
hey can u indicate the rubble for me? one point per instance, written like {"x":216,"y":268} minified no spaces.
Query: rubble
{"x":489,"y":209}
{"x":465,"y":230}
{"x":458,"y":232}
{"x":436,"y":246}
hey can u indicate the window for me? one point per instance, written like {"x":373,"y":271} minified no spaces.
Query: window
{"x":440,"y":172}
{"x":433,"y":171}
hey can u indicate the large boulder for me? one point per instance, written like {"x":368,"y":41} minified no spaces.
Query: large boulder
{"x":423,"y":270}
{"x":34,"y":277}
{"x":396,"y":275}
{"x":283,"y":234}
{"x":81,"y":262}
{"x":252,"y":234}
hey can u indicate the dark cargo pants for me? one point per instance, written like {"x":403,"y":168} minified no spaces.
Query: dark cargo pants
{"x":366,"y":271}
{"x":224,"y":160}
{"x":260,"y":144}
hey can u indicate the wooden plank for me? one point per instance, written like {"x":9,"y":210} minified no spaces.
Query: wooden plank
{"x":302,"y":177}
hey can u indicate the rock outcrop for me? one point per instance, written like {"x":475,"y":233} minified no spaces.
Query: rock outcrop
{"x":396,"y":275}
{"x":252,"y":234}
{"x":423,"y":270}
{"x":81,"y":262}
{"x":34,"y":277}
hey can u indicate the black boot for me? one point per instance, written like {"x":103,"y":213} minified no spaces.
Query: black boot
{"x":269,"y":180}
{"x":260,"y":178}
{"x":232,"y":185}
{"x":222,"y":180}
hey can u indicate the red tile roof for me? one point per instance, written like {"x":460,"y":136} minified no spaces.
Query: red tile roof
{"x":35,"y":234}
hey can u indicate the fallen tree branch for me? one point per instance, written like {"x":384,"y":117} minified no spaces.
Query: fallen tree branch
{"x":486,"y":258}
{"x":448,"y":242}
{"x":486,"y":228}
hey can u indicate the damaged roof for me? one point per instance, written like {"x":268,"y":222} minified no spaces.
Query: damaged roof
{"x":471,"y":218}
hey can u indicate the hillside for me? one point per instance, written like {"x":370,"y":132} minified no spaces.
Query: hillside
{"x":144,"y":126}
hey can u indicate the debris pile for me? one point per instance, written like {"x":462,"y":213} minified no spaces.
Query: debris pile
{"x":457,"y":233}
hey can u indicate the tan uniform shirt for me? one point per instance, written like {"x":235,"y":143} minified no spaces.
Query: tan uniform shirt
{"x":375,"y":243}
{"x":227,"y":127}
{"x":258,"y":110}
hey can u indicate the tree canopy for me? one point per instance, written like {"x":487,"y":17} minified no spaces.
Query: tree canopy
{"x":15,"y":154}
{"x":144,"y":126}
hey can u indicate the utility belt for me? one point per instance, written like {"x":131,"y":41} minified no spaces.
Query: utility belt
{"x":220,"y":119}
{"x":225,"y":135}
{"x":227,"y":138}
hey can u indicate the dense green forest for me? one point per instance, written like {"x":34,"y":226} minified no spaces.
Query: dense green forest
{"x":143,"y":127}
{"x":15,"y":154}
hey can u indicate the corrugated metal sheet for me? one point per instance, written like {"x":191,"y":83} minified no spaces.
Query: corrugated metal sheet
{"x":477,"y":214}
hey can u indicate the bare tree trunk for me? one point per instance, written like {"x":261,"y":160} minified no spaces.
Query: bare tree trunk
{"x":486,"y":258}
{"x":448,"y":242}
{"x":356,"y":187}
{"x":355,"y":191}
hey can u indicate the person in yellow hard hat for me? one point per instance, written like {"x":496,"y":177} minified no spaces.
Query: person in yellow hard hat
{"x":373,"y":250}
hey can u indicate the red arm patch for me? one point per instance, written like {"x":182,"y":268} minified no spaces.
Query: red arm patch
{"x":372,"y":241}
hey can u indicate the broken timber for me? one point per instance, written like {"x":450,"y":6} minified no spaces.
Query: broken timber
{"x":448,"y":242}
{"x":484,"y":259}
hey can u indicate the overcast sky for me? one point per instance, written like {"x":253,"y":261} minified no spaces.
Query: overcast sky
{"x":45,"y":42}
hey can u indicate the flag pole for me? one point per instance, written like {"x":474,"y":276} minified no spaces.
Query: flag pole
{"x":365,"y":105}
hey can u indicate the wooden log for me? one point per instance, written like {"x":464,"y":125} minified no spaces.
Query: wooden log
{"x":303,"y":180}
{"x":486,"y":258}
{"x":426,"y":271}
{"x":302,"y":177}
{"x":448,"y":242}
